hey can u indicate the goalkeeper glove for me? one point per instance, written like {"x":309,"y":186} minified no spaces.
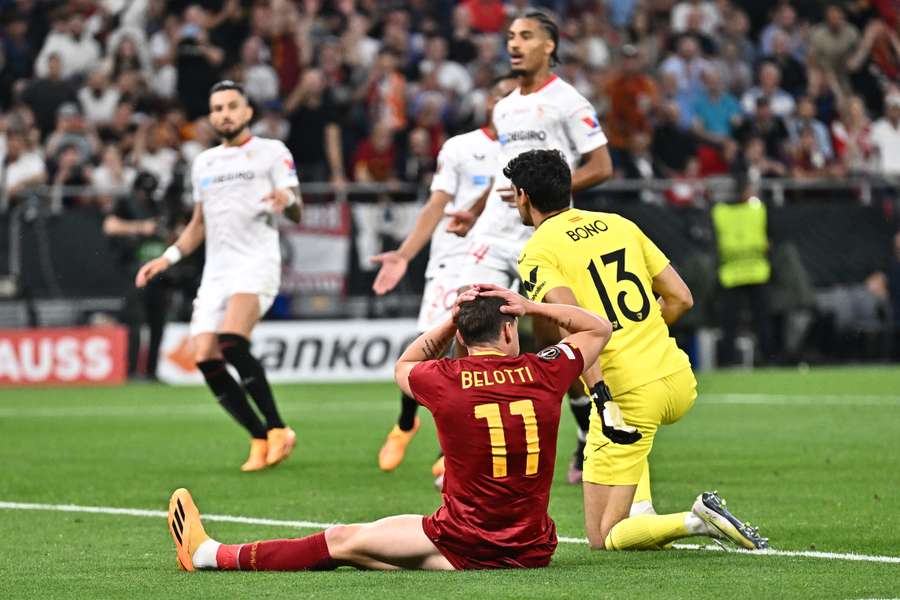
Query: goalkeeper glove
{"x":613,"y":424}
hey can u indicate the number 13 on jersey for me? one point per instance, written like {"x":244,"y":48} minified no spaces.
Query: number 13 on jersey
{"x":624,"y":278}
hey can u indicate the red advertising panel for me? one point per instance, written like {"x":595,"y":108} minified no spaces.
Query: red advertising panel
{"x":69,"y":356}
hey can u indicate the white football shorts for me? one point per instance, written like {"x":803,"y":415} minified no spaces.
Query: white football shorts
{"x":211,"y":302}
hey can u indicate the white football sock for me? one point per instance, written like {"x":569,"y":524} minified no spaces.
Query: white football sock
{"x":205,"y":555}
{"x":644,"y":507}
{"x":695,"y":525}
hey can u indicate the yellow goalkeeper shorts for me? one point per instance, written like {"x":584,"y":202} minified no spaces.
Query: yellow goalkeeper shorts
{"x":659,"y":402}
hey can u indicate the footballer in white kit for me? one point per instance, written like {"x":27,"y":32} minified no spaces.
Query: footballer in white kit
{"x":467,"y":165}
{"x":239,"y":189}
{"x":551,"y":116}
{"x":242,"y":250}
{"x":543,"y":113}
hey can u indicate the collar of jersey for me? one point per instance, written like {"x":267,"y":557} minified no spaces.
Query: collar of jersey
{"x":489,"y":353}
{"x":562,"y":212}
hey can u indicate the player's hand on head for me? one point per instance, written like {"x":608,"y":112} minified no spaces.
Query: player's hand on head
{"x":461,"y":221}
{"x":466,"y":295}
{"x":612,"y":422}
{"x":393,"y":268}
{"x":516,"y":304}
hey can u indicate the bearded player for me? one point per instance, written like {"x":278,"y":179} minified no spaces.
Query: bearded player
{"x":467,"y":164}
{"x":544,"y":112}
{"x":497,"y":416}
{"x":239,"y":188}
{"x":605,"y":263}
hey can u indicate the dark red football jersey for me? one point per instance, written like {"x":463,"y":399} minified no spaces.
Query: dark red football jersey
{"x":497,"y":420}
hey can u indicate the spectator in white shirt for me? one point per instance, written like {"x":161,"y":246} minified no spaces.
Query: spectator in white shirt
{"x":451,"y":76}
{"x":780,"y":101}
{"x":683,"y":10}
{"x":153,"y":152}
{"x":886,"y":136}
{"x":98,"y":98}
{"x":687,"y":65}
{"x":127,"y":48}
{"x":113,"y":175}
{"x":69,"y":39}
{"x":260,"y":79}
{"x":21,"y":169}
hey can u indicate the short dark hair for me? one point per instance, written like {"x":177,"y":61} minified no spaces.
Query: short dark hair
{"x":227,"y":84}
{"x":548,"y":24}
{"x":545,"y":176}
{"x":479,"y":320}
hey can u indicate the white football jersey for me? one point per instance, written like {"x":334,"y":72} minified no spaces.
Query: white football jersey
{"x":556,"y":117}
{"x":466,"y":166}
{"x":241,"y":234}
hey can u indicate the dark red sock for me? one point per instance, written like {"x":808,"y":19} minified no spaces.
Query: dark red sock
{"x":303,"y":554}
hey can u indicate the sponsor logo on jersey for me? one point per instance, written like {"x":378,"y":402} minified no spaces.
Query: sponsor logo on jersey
{"x":478,"y":156}
{"x":592,"y":122}
{"x":550,"y":353}
{"x":480,"y":179}
{"x":525,"y":135}
{"x":292,"y":168}
{"x":531,"y":286}
{"x":211,"y":180}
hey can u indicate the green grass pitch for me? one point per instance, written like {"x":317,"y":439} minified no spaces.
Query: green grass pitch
{"x":811,"y":457}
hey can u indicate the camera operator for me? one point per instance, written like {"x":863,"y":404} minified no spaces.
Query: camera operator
{"x":137,"y":226}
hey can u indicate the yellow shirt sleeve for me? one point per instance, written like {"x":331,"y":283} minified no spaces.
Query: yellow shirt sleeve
{"x":654,"y":258}
{"x":539,"y":273}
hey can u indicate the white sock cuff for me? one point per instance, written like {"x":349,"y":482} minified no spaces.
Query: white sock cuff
{"x":205,"y":555}
{"x":695,"y":525}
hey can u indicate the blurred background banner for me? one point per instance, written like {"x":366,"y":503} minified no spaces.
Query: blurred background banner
{"x":294,"y":351}
{"x":314,"y":254}
{"x":63,"y":356}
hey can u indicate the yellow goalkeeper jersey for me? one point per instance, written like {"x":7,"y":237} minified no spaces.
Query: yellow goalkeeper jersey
{"x":609,"y":264}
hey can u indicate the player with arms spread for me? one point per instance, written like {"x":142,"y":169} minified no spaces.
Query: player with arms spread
{"x":605,"y":263}
{"x":239,"y":188}
{"x":544,"y":112}
{"x":467,"y":164}
{"x":497,"y":416}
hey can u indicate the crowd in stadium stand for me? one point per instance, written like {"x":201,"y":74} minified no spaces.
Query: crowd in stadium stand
{"x":92,"y":92}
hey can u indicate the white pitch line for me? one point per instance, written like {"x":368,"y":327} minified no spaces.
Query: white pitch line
{"x":137,"y":512}
{"x":202,"y":410}
{"x":799,"y":399}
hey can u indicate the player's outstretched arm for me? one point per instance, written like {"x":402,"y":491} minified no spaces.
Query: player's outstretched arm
{"x":189,"y":240}
{"x":431,"y":345}
{"x":394,"y":263}
{"x":675,"y":297}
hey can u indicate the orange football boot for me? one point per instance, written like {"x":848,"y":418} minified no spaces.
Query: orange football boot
{"x":185,"y":526}
{"x":394,"y":449}
{"x":281,"y":443}
{"x":257,"y":459}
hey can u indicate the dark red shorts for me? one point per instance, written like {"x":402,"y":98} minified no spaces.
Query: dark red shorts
{"x":465,"y":554}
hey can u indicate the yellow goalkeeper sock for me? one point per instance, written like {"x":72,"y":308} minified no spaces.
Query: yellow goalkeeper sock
{"x":642,"y":504}
{"x":647,"y":532}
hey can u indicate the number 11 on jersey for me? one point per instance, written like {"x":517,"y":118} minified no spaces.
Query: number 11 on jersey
{"x":524,"y":409}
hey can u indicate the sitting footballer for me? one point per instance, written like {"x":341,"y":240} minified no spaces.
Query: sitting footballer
{"x":497,"y":415}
